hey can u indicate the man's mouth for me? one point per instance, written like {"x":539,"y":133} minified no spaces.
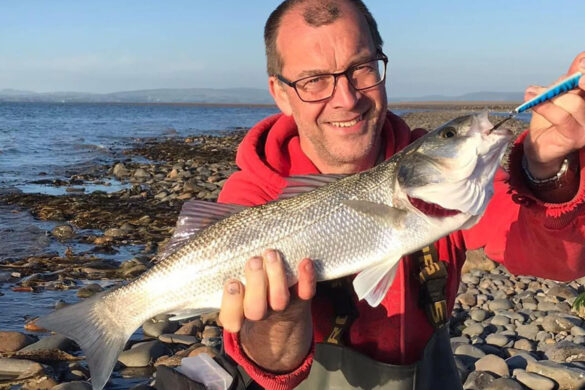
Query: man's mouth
{"x":348,"y":123}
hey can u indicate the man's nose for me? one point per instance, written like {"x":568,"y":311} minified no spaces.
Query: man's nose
{"x":344,"y":95}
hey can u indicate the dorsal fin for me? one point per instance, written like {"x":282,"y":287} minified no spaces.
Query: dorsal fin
{"x":304,"y":183}
{"x":195,"y":216}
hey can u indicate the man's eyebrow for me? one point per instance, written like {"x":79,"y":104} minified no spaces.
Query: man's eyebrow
{"x":315,"y":72}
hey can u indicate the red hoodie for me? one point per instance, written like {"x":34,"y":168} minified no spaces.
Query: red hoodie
{"x":526,"y":235}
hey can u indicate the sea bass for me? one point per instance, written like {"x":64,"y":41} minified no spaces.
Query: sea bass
{"x":363,"y":223}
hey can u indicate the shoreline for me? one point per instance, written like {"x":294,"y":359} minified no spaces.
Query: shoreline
{"x":525,"y":322}
{"x":415,"y":105}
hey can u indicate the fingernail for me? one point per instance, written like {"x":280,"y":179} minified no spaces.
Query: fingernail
{"x":233,"y":288}
{"x":309,"y":267}
{"x":582,"y":63}
{"x":255,"y":263}
{"x":270,"y":256}
{"x":531,"y":90}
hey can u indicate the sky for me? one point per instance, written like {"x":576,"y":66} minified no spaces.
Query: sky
{"x":435,"y":47}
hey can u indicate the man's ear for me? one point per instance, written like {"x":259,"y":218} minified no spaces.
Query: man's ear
{"x":278,"y":92}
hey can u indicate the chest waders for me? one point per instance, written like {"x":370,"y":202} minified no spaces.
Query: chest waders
{"x":338,"y":367}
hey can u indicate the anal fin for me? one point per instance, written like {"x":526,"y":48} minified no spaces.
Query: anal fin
{"x":373,"y":283}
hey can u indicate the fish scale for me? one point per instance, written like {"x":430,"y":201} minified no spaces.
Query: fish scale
{"x":361,"y":224}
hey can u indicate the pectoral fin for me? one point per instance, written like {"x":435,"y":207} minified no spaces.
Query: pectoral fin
{"x":373,"y":283}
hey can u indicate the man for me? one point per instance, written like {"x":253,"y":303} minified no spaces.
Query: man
{"x":272,"y":331}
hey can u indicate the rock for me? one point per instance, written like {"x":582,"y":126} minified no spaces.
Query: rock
{"x":469,"y":350}
{"x":467,"y":299}
{"x":565,"y":351}
{"x":19,"y":368}
{"x":476,"y":259}
{"x":211,"y":332}
{"x":143,"y":354}
{"x":63,"y":232}
{"x":562,"y":291}
{"x":478,"y":380}
{"x":210,"y":318}
{"x":56,"y":341}
{"x":177,"y":338}
{"x":203,"y":349}
{"x":141,"y":173}
{"x":191,"y":328}
{"x":504,"y":384}
{"x":89,"y":290}
{"x":473,"y":330}
{"x":556,"y":323}
{"x":500,"y":320}
{"x":498,"y":340}
{"x":500,"y":304}
{"x":120,"y":171}
{"x":535,"y":381}
{"x":568,"y":378}
{"x":13,"y":341}
{"x":528,"y":331}
{"x":75,"y":385}
{"x":478,"y":314}
{"x":157,"y":326}
{"x":115,"y":233}
{"x":493,"y":364}
{"x":524,"y":344}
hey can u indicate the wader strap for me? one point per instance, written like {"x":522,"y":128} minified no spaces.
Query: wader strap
{"x":339,"y":293}
{"x":433,"y":279}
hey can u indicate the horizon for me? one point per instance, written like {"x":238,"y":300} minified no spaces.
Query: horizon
{"x":434,"y":48}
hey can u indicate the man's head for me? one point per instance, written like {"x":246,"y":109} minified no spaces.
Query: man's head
{"x":308,"y":37}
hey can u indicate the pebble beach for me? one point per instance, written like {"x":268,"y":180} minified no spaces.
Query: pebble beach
{"x":507,"y":332}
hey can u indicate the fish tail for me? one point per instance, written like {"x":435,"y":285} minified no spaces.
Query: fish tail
{"x":99,"y":334}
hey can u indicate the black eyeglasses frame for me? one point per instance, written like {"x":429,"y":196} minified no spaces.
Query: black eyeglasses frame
{"x":293,"y":84}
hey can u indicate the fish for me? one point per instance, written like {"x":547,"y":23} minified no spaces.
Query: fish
{"x":362,"y":223}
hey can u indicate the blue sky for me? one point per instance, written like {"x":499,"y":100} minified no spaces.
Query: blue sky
{"x":435,"y":47}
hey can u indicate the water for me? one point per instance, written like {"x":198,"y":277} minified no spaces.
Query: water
{"x":40,"y":143}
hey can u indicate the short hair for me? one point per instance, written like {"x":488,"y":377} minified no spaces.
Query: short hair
{"x":322,"y":13}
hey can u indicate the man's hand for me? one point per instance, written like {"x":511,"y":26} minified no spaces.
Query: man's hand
{"x":275,"y":328}
{"x":557,"y":127}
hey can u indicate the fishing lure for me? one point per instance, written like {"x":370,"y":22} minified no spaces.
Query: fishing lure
{"x":559,"y":88}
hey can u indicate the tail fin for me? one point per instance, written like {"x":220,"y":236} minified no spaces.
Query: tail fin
{"x":98,"y":333}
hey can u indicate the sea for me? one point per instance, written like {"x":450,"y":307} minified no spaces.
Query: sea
{"x":45,"y":142}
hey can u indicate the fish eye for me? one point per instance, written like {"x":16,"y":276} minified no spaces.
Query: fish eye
{"x":448,"y":132}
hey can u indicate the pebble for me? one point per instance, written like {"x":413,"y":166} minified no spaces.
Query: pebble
{"x":565,"y":351}
{"x":143,"y":354}
{"x":19,"y":368}
{"x":55,"y":341}
{"x":473,"y":329}
{"x":478,"y":380}
{"x":478,"y":314}
{"x":63,"y":232}
{"x":500,"y":304}
{"x":566,"y":377}
{"x":498,"y":340}
{"x":469,"y":350}
{"x":535,"y":381}
{"x":89,"y":290}
{"x":159,"y":325}
{"x":493,"y":364}
{"x":13,"y":341}
{"x":177,"y":339}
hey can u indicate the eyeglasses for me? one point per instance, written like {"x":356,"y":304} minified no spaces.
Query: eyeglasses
{"x":321,"y":87}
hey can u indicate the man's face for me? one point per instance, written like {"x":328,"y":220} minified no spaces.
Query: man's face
{"x":341,"y":134}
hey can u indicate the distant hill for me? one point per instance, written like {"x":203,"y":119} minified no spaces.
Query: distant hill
{"x":212,"y":96}
{"x":166,"y":95}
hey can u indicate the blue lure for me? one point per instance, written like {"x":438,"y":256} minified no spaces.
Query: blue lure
{"x":559,"y":88}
